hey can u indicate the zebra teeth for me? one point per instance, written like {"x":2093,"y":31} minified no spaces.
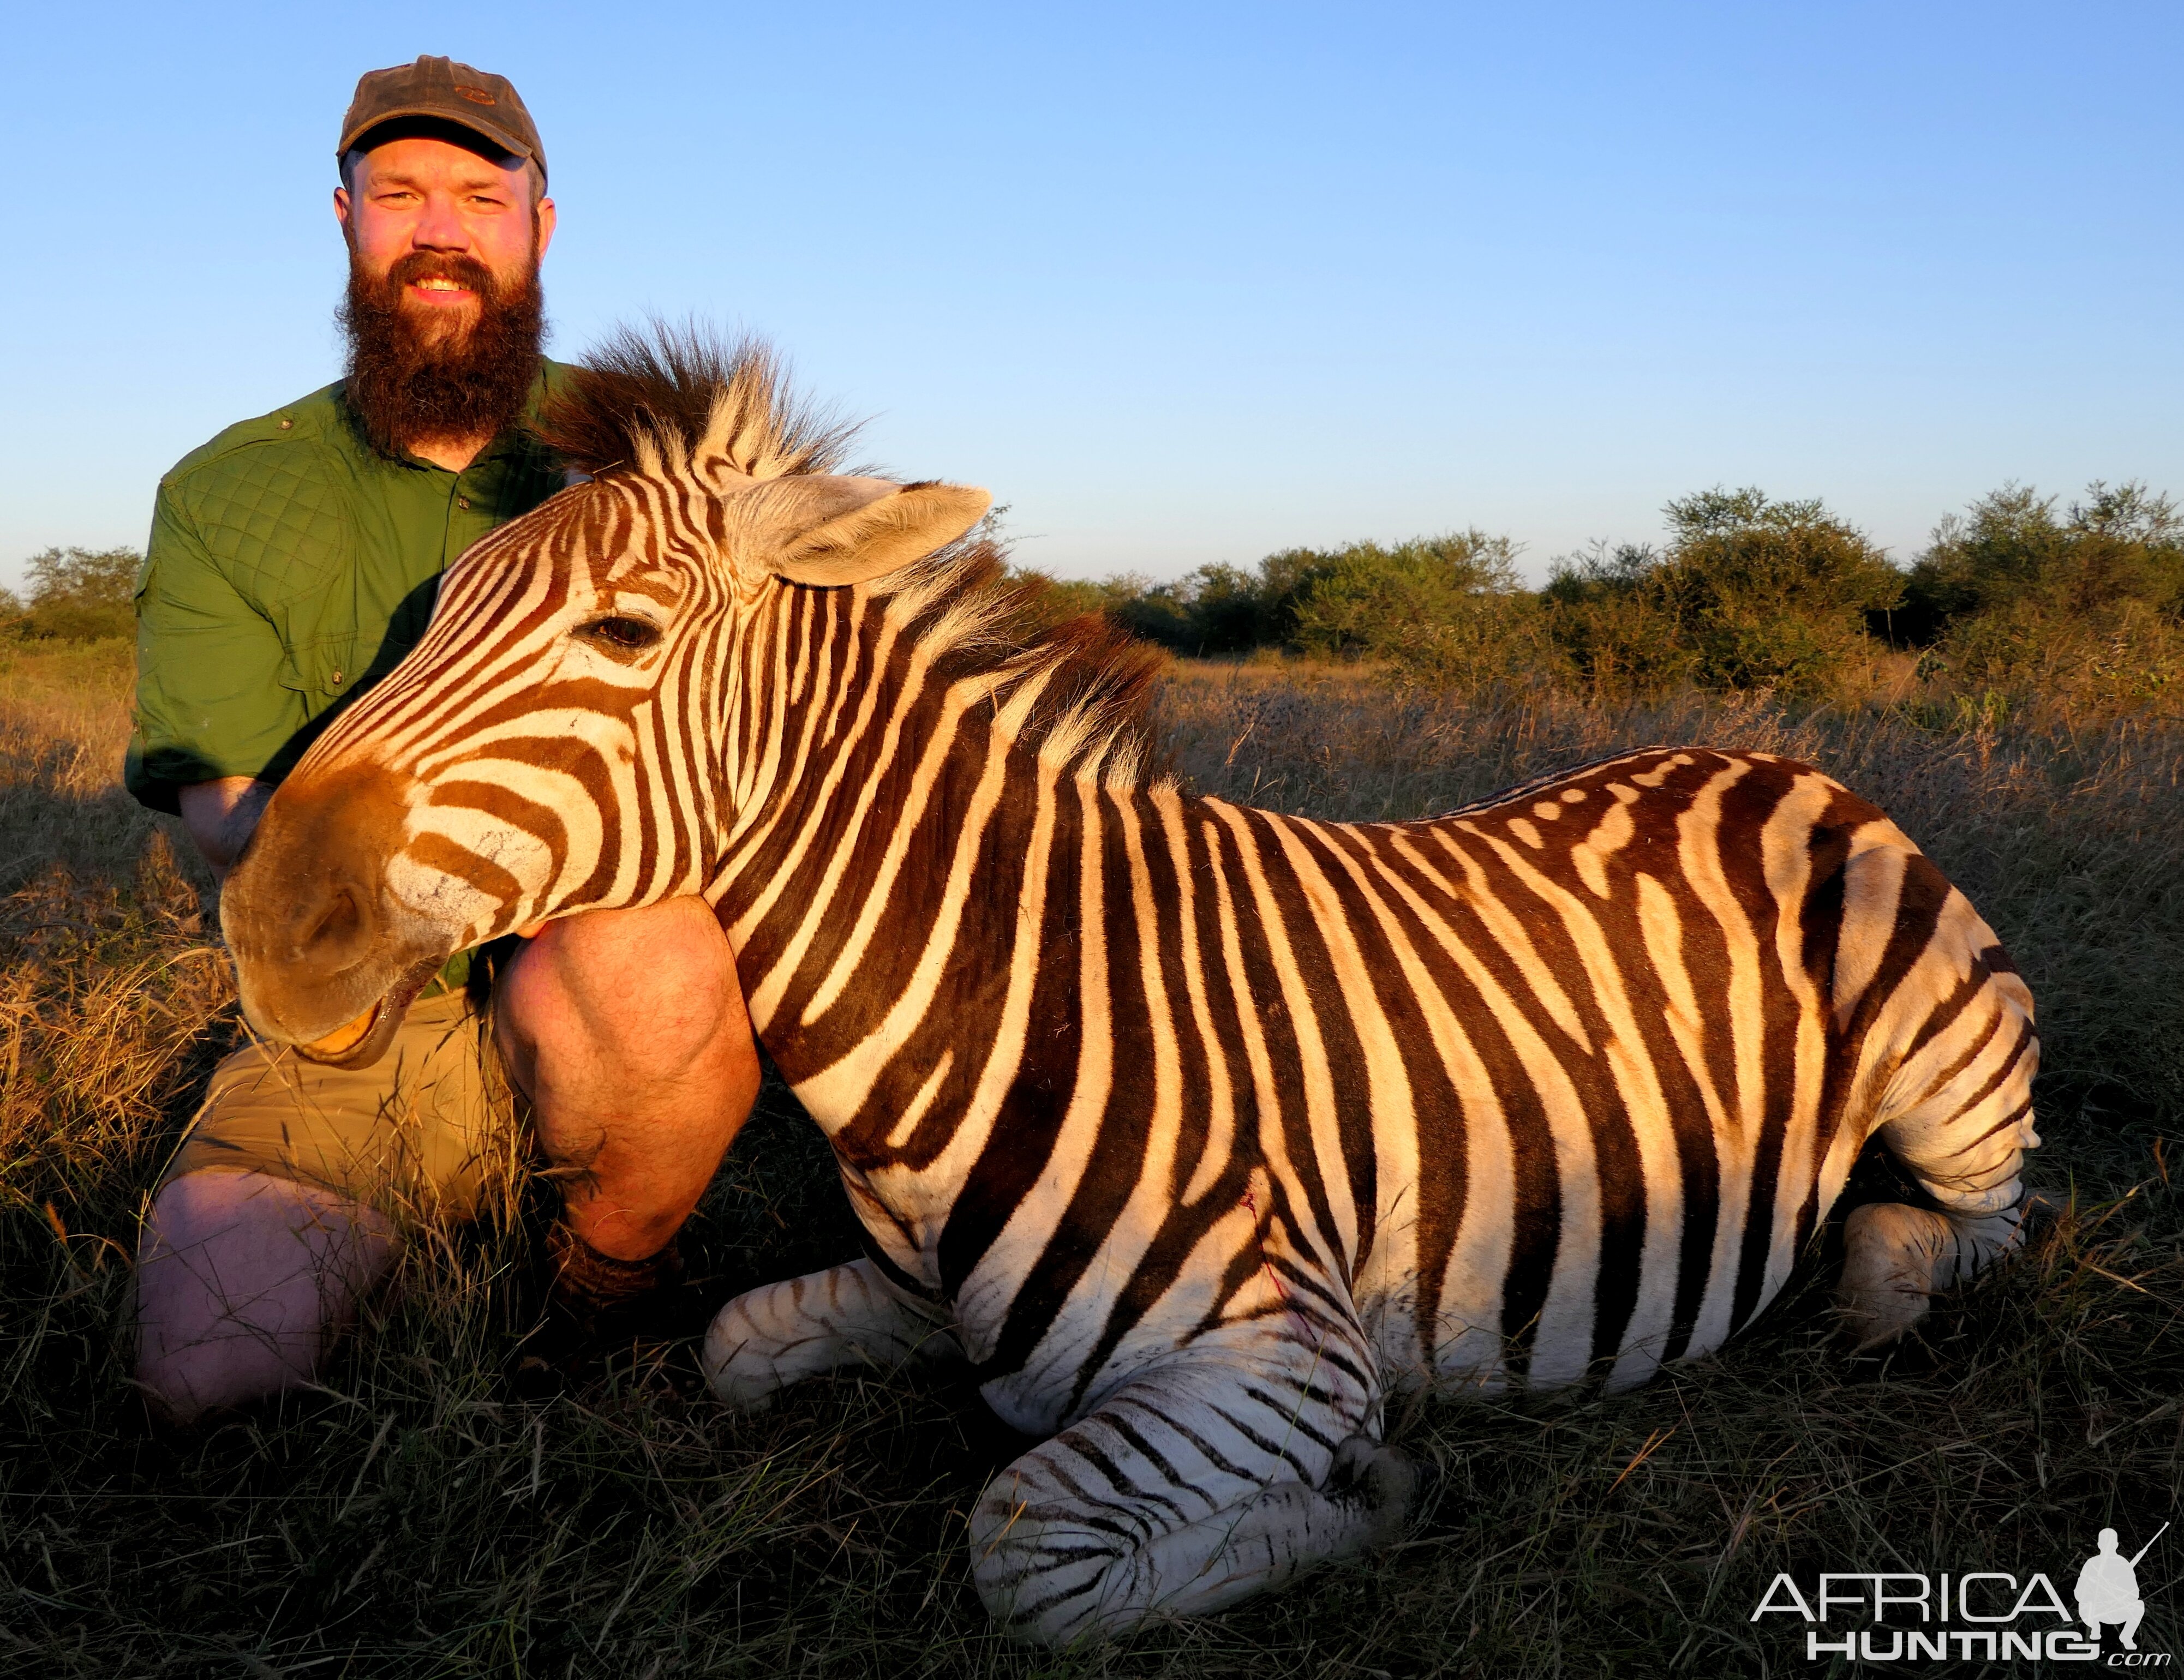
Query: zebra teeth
{"x":343,"y":1039}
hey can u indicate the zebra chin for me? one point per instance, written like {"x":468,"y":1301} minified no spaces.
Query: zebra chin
{"x":328,"y":960}
{"x":359,"y":1039}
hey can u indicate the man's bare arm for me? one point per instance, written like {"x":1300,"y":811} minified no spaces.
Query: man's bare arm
{"x":220,"y":816}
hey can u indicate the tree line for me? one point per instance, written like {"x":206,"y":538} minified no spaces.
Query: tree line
{"x":2018,"y":596}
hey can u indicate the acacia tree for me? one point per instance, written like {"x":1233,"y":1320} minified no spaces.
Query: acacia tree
{"x":78,"y":594}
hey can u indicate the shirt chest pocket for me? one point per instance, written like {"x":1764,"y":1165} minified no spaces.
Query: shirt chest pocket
{"x":326,"y":671}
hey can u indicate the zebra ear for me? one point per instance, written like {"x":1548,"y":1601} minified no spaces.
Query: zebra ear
{"x":884,"y":527}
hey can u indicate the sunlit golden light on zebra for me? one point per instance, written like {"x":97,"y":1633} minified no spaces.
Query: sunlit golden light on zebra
{"x":1197,"y":1132}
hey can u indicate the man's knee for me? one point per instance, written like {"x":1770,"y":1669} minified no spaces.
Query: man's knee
{"x":627,"y":1029}
{"x":219,"y":1243}
{"x":241,"y":1280}
{"x":651,"y":993}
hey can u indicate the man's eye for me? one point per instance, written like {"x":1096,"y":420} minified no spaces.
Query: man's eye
{"x":619,"y":635}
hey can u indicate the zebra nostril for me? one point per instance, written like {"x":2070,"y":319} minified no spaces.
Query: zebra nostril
{"x":341,"y":922}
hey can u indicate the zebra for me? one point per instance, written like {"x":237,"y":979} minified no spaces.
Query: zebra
{"x":1193,"y":1132}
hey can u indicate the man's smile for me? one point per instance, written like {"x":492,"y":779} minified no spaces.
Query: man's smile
{"x":439,"y":290}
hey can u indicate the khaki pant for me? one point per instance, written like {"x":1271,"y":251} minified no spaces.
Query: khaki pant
{"x":426,"y":1131}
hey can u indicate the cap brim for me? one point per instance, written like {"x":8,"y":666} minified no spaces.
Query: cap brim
{"x":478,"y":125}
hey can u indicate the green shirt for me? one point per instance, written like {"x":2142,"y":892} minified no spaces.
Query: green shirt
{"x":291,"y":565}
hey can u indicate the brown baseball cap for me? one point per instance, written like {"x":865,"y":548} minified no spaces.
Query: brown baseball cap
{"x":486,"y":104}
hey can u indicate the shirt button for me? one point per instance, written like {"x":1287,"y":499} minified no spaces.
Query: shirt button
{"x":464,"y":503}
{"x":338,"y":679}
{"x":285,"y":425}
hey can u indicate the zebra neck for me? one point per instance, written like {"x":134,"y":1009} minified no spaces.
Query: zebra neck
{"x":872,"y":886}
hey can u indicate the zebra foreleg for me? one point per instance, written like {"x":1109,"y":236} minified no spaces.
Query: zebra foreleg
{"x":845,"y":1315}
{"x":1178,"y":1498}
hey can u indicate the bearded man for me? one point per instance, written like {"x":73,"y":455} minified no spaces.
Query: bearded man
{"x":293,"y":560}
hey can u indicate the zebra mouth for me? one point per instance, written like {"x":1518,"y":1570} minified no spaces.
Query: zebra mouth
{"x":364,"y":1041}
{"x":343,"y":1039}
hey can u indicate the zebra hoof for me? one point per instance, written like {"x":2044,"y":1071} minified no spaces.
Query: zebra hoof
{"x":1377,"y":1479}
{"x":1891,"y":1253}
{"x":741,"y":1378}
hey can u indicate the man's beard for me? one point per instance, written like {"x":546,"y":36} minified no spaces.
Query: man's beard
{"x":415,"y":378}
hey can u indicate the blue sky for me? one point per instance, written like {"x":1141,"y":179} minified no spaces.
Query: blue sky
{"x":1186,"y":283}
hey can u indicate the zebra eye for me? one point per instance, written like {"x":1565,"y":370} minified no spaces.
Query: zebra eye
{"x":619,"y":634}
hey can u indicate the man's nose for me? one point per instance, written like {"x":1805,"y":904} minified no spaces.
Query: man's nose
{"x":440,"y":228}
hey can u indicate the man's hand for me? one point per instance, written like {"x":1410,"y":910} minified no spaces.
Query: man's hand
{"x":220,"y":815}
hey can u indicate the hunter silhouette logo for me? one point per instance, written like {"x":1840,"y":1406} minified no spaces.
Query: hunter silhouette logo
{"x":2108,"y":1589}
{"x":1979,"y":1615}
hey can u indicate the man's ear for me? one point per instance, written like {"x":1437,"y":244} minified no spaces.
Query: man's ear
{"x":834,"y":531}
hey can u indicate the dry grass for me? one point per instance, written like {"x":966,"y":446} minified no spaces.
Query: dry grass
{"x":434,"y":1510}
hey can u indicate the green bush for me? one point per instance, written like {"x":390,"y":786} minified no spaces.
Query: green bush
{"x":1357,"y":600}
{"x":1217,"y":609}
{"x":1447,"y":613}
{"x":2120,"y":547}
{"x":2087,"y":606}
{"x":76,"y":595}
{"x":1360,"y":599}
{"x":1609,"y":627}
{"x":1750,"y":594}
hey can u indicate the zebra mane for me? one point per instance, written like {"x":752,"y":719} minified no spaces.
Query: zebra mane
{"x":658,"y":400}
{"x":1078,"y":692}
{"x":672,"y":393}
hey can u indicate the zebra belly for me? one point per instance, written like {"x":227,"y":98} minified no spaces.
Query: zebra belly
{"x":1469,"y":1352}
{"x":1592,"y":1059}
{"x":1570,"y":1197}
{"x":1521,"y":1301}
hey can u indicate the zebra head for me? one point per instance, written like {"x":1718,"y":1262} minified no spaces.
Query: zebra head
{"x":559,"y":739}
